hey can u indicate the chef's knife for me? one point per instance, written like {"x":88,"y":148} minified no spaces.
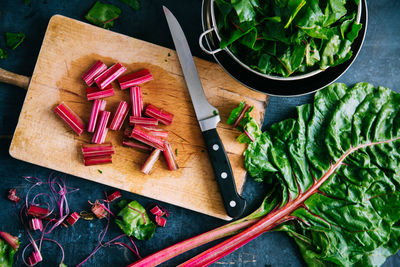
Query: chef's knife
{"x":208,"y":118}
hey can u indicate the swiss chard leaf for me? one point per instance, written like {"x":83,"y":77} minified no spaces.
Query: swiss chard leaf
{"x":103,"y":15}
{"x":13,"y":40}
{"x":6,"y":254}
{"x":134,"y":221}
{"x":336,"y":170}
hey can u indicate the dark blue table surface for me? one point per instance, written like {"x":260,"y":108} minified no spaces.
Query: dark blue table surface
{"x":377,"y":63}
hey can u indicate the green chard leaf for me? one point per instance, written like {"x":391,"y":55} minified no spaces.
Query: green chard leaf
{"x":335,"y":171}
{"x":3,"y":54}
{"x":134,"y":4}
{"x":13,"y":40}
{"x":8,"y":247}
{"x":235,"y":113}
{"x":103,"y":15}
{"x":134,"y":221}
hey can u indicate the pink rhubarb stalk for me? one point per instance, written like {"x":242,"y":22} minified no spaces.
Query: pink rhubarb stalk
{"x":98,"y":105}
{"x":137,"y":145}
{"x":36,"y":224}
{"x":135,"y":78}
{"x":170,"y":157}
{"x":73,"y":218}
{"x":73,"y":120}
{"x":157,"y":211}
{"x":140,"y":134}
{"x":151,"y":160}
{"x":100,"y":135}
{"x":158,"y":113}
{"x":110,"y":75}
{"x":161,"y":221}
{"x":94,"y":71}
{"x":12,"y":195}
{"x":11,"y":240}
{"x":114,"y":196}
{"x":96,"y":150}
{"x":160,"y":133}
{"x":93,"y":93}
{"x":119,"y":116}
{"x":133,"y":120}
{"x":137,"y":101}
{"x":89,"y":161}
{"x":99,"y":210}
{"x":34,"y":258}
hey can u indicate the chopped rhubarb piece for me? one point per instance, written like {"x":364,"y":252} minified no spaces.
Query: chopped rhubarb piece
{"x":160,"y":133}
{"x":73,"y":218}
{"x":137,"y":145}
{"x":12,"y":195}
{"x":100,"y":135}
{"x":156,"y":211}
{"x":241,"y":115}
{"x":89,"y":161}
{"x":119,"y":116}
{"x":98,"y":105}
{"x":127,"y":132}
{"x":70,"y":118}
{"x":11,"y":240}
{"x":159,"y":114}
{"x":36,"y":224}
{"x":137,"y":101}
{"x":94,"y":71}
{"x":143,"y":121}
{"x":37,"y":211}
{"x":35,"y":258}
{"x":108,"y":76}
{"x":96,"y":150}
{"x":99,"y":210}
{"x":135,"y":78}
{"x":114,"y":196}
{"x":93,"y":93}
{"x":151,"y":160}
{"x":170,"y":157}
{"x":161,"y":221}
{"x":140,"y":134}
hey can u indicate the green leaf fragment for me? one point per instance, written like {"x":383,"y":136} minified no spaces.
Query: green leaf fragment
{"x":103,"y":15}
{"x":6,"y":254}
{"x":134,"y":221}
{"x":3,"y":54}
{"x":13,"y":40}
{"x":134,"y":4}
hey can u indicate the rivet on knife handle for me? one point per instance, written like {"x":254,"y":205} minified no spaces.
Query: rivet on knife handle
{"x":234,"y":203}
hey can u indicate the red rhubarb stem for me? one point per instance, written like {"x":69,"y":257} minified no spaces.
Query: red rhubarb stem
{"x":94,"y":71}
{"x":100,"y":135}
{"x":119,"y":116}
{"x":135,"y":78}
{"x":96,"y":150}
{"x":73,"y":120}
{"x":93,"y":93}
{"x":137,"y":101}
{"x":151,"y":160}
{"x":110,"y":75}
{"x":163,"y":116}
{"x":98,"y":105}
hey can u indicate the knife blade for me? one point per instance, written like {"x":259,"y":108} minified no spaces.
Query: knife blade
{"x":208,"y":118}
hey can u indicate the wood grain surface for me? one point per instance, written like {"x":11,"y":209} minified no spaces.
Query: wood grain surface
{"x":69,"y":48}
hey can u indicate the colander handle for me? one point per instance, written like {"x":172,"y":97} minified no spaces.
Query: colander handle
{"x":202,"y":46}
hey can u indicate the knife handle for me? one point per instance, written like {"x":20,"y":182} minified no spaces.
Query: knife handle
{"x":233,"y":202}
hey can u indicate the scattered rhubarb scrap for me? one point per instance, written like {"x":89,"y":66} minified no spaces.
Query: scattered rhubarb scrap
{"x":34,"y":258}
{"x":163,"y":116}
{"x":137,"y":145}
{"x":99,"y":210}
{"x":135,"y":78}
{"x":73,"y":218}
{"x":110,"y":75}
{"x":37,"y":211}
{"x":93,"y":72}
{"x":93,"y":93}
{"x":12,"y":195}
{"x":98,"y":105}
{"x":137,"y":101}
{"x":151,"y":160}
{"x":119,"y":116}
{"x":73,"y":120}
{"x":157,"y":211}
{"x":36,"y":224}
{"x":115,"y":195}
{"x":161,"y":221}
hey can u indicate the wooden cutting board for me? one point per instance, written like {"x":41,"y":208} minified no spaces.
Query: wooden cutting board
{"x":69,"y":48}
